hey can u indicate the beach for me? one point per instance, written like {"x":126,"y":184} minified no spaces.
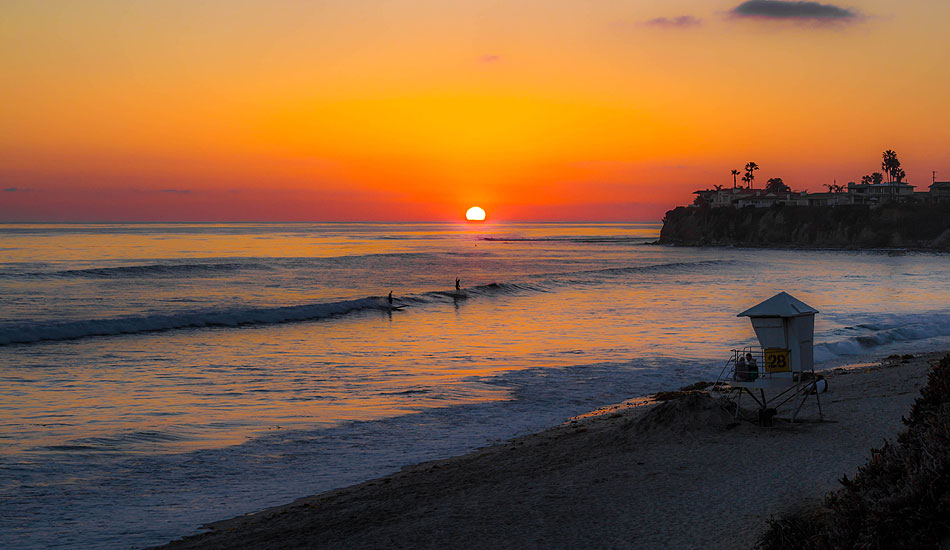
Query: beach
{"x":627,"y":477}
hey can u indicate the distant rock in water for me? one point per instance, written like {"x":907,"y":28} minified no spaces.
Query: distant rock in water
{"x":852,"y":226}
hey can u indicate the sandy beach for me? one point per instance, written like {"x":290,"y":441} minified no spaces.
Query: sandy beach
{"x":676,"y":474}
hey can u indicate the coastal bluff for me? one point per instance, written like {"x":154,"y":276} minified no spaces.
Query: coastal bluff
{"x":895,"y":225}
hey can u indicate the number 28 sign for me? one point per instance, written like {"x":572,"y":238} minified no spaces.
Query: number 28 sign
{"x":776,"y":360}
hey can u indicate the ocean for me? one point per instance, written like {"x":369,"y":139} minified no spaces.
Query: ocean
{"x":155,"y":377}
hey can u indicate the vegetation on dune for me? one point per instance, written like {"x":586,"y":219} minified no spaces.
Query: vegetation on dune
{"x":899,"y":499}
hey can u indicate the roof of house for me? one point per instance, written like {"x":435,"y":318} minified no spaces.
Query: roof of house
{"x":782,"y":304}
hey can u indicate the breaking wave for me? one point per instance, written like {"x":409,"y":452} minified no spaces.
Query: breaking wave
{"x":38,"y":332}
{"x":879,"y":335}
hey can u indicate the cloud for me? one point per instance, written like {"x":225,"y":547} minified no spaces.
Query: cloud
{"x":16,"y":190}
{"x":489,"y":58}
{"x":176,"y":191}
{"x":681,"y":22}
{"x":782,"y":9}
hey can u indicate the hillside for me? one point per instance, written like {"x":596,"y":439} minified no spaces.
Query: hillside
{"x":857,"y":226}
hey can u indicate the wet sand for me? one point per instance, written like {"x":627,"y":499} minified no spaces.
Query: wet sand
{"x":636,"y":476}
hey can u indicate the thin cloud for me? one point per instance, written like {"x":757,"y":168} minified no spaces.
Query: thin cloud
{"x":781,"y":9}
{"x":16,"y":190}
{"x":176,"y":191}
{"x":489,"y":58}
{"x":681,"y":22}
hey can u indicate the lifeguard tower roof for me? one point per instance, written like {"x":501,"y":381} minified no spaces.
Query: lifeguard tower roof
{"x":780,"y":305}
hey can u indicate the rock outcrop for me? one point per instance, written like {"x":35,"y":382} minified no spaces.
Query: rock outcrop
{"x":886,"y":226}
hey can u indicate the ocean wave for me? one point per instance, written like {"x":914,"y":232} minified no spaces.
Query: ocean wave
{"x":880,"y":335}
{"x":628,"y":270}
{"x":45,"y":331}
{"x":486,"y":290}
{"x":505,"y":288}
{"x":143,"y":271}
{"x":40,"y":331}
{"x":207,"y":268}
{"x":571,"y":239}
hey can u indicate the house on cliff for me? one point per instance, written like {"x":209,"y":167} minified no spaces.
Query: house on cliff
{"x":765,"y":199}
{"x":829,"y":199}
{"x":856,"y":193}
{"x":940,"y":192}
{"x":742,"y":196}
{"x":718,"y":198}
{"x":873,"y":193}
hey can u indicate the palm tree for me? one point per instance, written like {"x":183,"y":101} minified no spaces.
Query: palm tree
{"x":890,"y":164}
{"x":734,"y":174}
{"x":750,"y":169}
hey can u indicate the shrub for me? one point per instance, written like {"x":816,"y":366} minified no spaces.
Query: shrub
{"x":899,"y":499}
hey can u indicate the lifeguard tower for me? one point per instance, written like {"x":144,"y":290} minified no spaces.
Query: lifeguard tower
{"x":782,"y":368}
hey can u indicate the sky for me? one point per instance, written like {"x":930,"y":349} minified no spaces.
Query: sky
{"x":374,"y":110}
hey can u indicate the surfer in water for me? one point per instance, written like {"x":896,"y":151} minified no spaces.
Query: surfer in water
{"x":390,"y":297}
{"x":457,"y":285}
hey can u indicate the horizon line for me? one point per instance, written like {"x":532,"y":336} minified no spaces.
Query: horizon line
{"x":380,"y":222}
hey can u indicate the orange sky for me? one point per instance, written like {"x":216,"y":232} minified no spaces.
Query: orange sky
{"x":387,"y":110}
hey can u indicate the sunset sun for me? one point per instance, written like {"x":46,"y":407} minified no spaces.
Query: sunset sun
{"x":475,"y":214}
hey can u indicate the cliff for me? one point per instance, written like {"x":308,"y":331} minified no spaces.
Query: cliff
{"x":858,"y":226}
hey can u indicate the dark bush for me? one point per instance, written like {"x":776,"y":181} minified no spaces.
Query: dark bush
{"x":899,"y":499}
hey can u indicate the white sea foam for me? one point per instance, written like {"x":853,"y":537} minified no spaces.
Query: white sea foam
{"x":898,"y":329}
{"x":156,"y":497}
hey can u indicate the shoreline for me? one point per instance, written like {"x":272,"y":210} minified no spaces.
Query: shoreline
{"x":605,"y":478}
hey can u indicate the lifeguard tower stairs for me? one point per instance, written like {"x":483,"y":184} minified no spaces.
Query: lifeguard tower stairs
{"x":778,"y":375}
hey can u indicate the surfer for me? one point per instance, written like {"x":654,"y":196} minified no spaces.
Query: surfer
{"x":457,"y":285}
{"x":390,"y":297}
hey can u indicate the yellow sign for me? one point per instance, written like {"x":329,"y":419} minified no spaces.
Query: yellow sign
{"x":776,"y":360}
